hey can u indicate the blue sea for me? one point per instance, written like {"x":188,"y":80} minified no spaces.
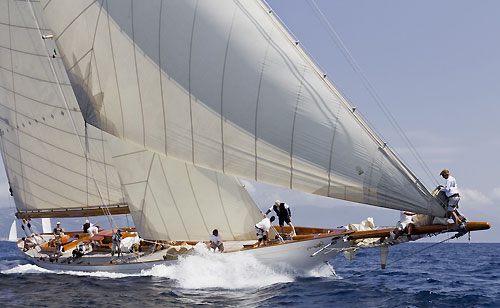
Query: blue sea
{"x":447,"y":275}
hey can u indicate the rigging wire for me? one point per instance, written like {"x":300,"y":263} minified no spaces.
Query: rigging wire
{"x":371,"y":90}
{"x":104,"y":207}
{"x":413,"y":253}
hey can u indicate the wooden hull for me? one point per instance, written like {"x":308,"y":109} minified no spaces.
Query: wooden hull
{"x":303,"y":253}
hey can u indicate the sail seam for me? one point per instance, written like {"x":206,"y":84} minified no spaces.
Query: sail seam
{"x":114,"y":68}
{"x":44,"y":188}
{"x":47,"y":160}
{"x":330,"y":162}
{"x":189,"y":80}
{"x":261,"y":77}
{"x":23,"y":52}
{"x":134,"y":183}
{"x":105,"y":166}
{"x":30,"y":98}
{"x":34,"y":78}
{"x":33,"y":208}
{"x":78,"y":61}
{"x":47,"y":4}
{"x":196,"y":199}
{"x":137,"y":75}
{"x":222,"y":89}
{"x":21,"y":27}
{"x":130,"y":153}
{"x":147,"y":184}
{"x":74,"y":19}
{"x":161,"y":77}
{"x":93,"y":59}
{"x":159,"y":211}
{"x":50,"y":176}
{"x":222,"y":204}
{"x":297,"y":102}
{"x":173,"y":198}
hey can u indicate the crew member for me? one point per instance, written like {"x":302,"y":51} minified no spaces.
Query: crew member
{"x":404,"y":225}
{"x":451,"y":191}
{"x":216,"y":241}
{"x":115,"y":242}
{"x":262,"y":230}
{"x":284,"y":213}
{"x":86,"y":226}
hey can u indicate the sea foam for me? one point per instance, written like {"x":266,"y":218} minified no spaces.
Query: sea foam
{"x":206,"y":269}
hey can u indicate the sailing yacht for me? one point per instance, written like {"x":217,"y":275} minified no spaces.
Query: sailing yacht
{"x":156,"y":109}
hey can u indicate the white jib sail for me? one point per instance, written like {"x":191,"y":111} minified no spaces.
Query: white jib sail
{"x":173,"y":200}
{"x":46,"y":226}
{"x":50,"y":163}
{"x":13,"y":232}
{"x":223,"y":86}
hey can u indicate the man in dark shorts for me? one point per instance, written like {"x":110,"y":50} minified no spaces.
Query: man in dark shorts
{"x":283,"y":212}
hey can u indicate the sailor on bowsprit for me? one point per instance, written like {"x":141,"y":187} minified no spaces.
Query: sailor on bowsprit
{"x":451,"y":191}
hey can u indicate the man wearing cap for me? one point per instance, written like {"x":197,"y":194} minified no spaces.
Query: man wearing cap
{"x":283,"y":212}
{"x":58,"y":234}
{"x":451,"y":191}
{"x":58,"y":231}
{"x":86,"y":226}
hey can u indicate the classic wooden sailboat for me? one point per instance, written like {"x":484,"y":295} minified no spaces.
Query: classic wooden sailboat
{"x":155,"y":108}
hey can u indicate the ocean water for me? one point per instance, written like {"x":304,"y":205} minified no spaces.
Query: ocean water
{"x":447,"y":275}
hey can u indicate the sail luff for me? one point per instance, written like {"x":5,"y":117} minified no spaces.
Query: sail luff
{"x":363,"y":123}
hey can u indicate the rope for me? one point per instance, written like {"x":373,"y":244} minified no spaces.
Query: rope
{"x":371,"y":90}
{"x":104,"y":208}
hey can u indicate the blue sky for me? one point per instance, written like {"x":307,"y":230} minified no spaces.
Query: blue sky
{"x":435,"y":65}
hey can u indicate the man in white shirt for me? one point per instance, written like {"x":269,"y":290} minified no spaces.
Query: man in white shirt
{"x":451,"y":191}
{"x":404,"y":224}
{"x":262,"y":230}
{"x":216,"y":241}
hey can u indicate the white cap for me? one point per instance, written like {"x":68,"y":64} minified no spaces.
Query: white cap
{"x":58,"y":222}
{"x":277,"y":202}
{"x":86,"y":220}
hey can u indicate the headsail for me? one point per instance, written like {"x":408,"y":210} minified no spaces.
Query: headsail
{"x":13,"y":232}
{"x":50,"y":162}
{"x":225,"y":87}
{"x":173,"y":200}
{"x":46,"y":225}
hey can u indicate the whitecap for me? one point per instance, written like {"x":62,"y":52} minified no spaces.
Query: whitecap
{"x":206,"y":269}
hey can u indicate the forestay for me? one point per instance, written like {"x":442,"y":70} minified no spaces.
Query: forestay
{"x":223,"y":86}
{"x":42,"y":130}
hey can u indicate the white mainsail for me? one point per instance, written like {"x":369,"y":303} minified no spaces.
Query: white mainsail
{"x":173,"y":200}
{"x":223,"y":86}
{"x":50,"y":163}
